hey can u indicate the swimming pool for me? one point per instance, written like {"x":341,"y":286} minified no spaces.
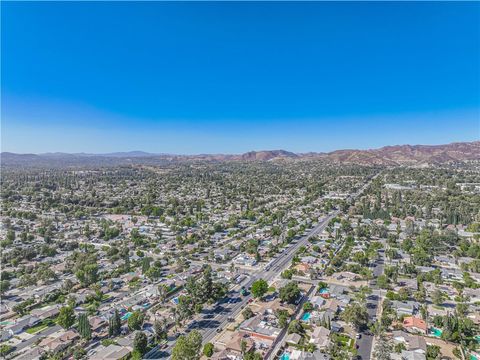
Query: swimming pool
{"x":285,"y":356}
{"x":323,"y":291}
{"x":436,"y":332}
{"x":126,"y":316}
{"x":306,"y":316}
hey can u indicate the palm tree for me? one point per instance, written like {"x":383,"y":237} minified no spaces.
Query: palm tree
{"x":173,"y":311}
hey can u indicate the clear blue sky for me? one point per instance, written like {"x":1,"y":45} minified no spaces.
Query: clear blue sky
{"x":232,"y":77}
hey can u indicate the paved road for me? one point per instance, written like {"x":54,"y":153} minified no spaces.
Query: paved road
{"x":216,"y":317}
{"x":366,"y":341}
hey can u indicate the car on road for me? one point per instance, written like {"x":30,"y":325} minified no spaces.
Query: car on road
{"x":218,"y":330}
{"x":358,"y":336}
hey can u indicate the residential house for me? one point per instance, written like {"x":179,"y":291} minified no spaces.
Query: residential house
{"x":412,"y":355}
{"x":21,"y":325}
{"x":46,"y":312}
{"x":59,"y":340}
{"x":235,"y":344}
{"x":260,"y":327}
{"x":405,"y":307}
{"x":320,"y":337}
{"x":293,"y":339}
{"x":111,"y":352}
{"x":473,"y":294}
{"x":415,"y":324}
{"x":303,"y":267}
{"x":412,"y":342}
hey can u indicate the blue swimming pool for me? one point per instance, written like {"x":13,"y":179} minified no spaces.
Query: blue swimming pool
{"x":285,"y":356}
{"x":323,"y":291}
{"x":306,"y":316}
{"x":126,"y":316}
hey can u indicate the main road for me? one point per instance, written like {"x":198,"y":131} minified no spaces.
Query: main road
{"x":217,"y":317}
{"x":213,"y":319}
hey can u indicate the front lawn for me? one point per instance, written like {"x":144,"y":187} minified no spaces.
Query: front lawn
{"x":345,"y":341}
{"x":43,"y":325}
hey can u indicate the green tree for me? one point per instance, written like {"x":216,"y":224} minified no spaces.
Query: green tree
{"x":287,"y":274}
{"x":79,"y":352}
{"x":188,"y":347}
{"x":259,"y":288}
{"x":282,"y":316}
{"x":145,"y":264}
{"x":208,"y":349}
{"x":252,"y":356}
{"x":140,"y":342}
{"x":308,"y":306}
{"x":433,"y":352}
{"x":296,"y":327}
{"x":84,"y":328}
{"x":247,"y":313}
{"x":66,"y":317}
{"x":135,"y":321}
{"x":382,"y":282}
{"x":114,"y":324}
{"x":437,"y":297}
{"x":290,"y":292}
{"x":5,"y":349}
{"x":160,"y":328}
{"x":383,"y":349}
{"x":356,"y":314}
{"x":88,"y":274}
{"x":4,"y":286}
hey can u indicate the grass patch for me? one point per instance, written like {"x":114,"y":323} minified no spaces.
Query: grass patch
{"x":345,"y":341}
{"x":106,"y":342}
{"x":43,"y":325}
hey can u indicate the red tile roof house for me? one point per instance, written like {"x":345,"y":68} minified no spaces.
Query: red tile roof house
{"x":414,"y":324}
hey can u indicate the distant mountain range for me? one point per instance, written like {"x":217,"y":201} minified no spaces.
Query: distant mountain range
{"x":388,"y":155}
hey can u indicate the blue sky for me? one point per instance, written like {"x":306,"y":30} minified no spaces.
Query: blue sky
{"x":233,"y":77}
